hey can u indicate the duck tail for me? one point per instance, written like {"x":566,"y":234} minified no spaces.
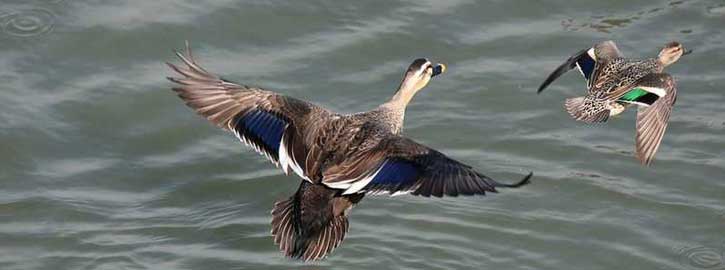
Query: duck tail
{"x":309,"y":225}
{"x":585,"y":110}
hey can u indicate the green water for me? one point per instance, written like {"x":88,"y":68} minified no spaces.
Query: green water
{"x":103,"y":167}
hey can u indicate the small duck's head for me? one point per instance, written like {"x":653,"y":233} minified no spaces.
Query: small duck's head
{"x":671,"y":53}
{"x":419,"y":74}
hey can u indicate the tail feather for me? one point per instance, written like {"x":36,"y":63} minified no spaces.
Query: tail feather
{"x":327,"y":240}
{"x":283,"y":229}
{"x":318,"y":232}
{"x":586,"y":111}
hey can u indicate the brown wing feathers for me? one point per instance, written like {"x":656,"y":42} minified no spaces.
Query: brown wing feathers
{"x":444,"y":176}
{"x":209,"y":95}
{"x":652,"y":121}
{"x":258,"y":117}
{"x":399,"y":164}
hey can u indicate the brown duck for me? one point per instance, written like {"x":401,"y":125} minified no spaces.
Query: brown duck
{"x":341,"y":157}
{"x":615,"y":83}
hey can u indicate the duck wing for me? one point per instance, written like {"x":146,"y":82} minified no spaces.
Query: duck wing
{"x":652,"y":120}
{"x":400,"y":165}
{"x":276,"y":126}
{"x":604,"y":52}
{"x":588,"y":61}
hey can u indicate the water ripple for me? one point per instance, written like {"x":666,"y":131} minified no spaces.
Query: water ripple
{"x":27,"y":22}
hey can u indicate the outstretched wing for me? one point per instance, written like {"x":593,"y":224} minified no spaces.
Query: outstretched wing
{"x":582,"y":60}
{"x":652,"y":120}
{"x":400,"y":165}
{"x":274,"y":125}
{"x":604,"y":53}
{"x":588,"y":61}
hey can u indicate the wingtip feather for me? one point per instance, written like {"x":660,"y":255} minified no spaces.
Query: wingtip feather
{"x":524,"y":181}
{"x":644,"y":161}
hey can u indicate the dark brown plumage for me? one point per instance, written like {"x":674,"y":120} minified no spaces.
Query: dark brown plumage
{"x":342,"y":157}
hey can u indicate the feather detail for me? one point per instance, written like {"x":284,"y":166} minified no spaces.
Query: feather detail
{"x":582,"y":109}
{"x":312,"y":223}
{"x":268,"y":122}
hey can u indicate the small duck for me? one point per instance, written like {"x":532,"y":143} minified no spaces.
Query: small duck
{"x":340,"y":157}
{"x":615,"y":83}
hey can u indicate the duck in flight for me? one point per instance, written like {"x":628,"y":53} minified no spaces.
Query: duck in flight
{"x":340,"y":157}
{"x":615,"y":83}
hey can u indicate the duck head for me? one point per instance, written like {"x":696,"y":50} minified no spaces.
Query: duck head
{"x":671,"y":53}
{"x":419,"y":74}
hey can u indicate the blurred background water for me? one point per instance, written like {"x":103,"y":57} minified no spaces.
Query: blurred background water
{"x":103,"y":167}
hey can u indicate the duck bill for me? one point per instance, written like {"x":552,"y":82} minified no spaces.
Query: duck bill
{"x":687,"y":52}
{"x":438,"y":69}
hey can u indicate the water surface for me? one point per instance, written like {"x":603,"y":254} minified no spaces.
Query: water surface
{"x":102,"y":167}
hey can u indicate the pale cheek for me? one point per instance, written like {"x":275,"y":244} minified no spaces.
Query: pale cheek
{"x":423,"y":83}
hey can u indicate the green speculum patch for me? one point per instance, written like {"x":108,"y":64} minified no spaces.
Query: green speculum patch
{"x":634,"y":94}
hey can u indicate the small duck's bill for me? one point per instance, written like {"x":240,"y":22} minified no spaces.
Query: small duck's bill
{"x":687,"y":52}
{"x":439,"y":69}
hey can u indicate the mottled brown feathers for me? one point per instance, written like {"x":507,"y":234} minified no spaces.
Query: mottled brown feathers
{"x":652,"y":121}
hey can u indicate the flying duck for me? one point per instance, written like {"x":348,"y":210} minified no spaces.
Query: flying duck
{"x":615,"y":83}
{"x":340,"y":157}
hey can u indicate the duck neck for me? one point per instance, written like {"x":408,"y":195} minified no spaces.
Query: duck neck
{"x":401,"y":99}
{"x":660,"y":65}
{"x":665,"y":59}
{"x":394,"y":109}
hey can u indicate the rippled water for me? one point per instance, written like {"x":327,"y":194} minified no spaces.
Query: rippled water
{"x":102,"y":167}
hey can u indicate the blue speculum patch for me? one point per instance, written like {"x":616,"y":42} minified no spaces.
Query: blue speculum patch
{"x":586,"y":64}
{"x":396,"y":173}
{"x":264,"y":126}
